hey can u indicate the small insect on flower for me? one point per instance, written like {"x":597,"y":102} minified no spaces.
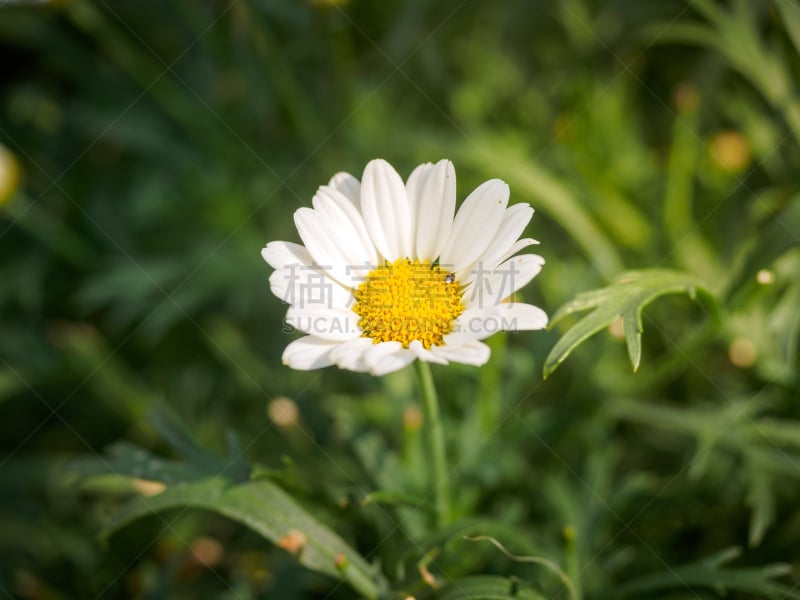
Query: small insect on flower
{"x":368,"y":285}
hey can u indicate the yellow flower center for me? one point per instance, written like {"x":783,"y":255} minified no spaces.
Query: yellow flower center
{"x":408,"y":300}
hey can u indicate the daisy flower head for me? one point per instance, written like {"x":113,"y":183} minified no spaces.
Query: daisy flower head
{"x":389,"y":273}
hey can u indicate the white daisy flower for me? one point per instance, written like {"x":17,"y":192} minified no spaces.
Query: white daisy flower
{"x":389,"y":273}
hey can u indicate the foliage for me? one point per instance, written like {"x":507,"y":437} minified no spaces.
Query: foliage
{"x":149,"y":149}
{"x":624,"y":300}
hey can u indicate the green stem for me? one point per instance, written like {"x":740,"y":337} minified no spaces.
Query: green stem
{"x":441,"y":482}
{"x":573,"y":563}
{"x":489,"y":393}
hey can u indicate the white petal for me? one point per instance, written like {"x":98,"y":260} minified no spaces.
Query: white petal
{"x":308,"y":353}
{"x":470,"y":352}
{"x":347,"y":222}
{"x":475,"y":226}
{"x":515,"y":219}
{"x":337,"y":324}
{"x":338,"y":255}
{"x":517,"y":316}
{"x":480,"y":323}
{"x":296,"y":280}
{"x":386,"y":210}
{"x":306,"y":287}
{"x":386,"y":357}
{"x":518,"y":245}
{"x":474,"y":324}
{"x":414,"y":182}
{"x":432,"y":196}
{"x":280,"y":254}
{"x":348,"y":185}
{"x":350,"y":355}
{"x":491,"y":286}
{"x":418,"y":175}
{"x":424,"y":354}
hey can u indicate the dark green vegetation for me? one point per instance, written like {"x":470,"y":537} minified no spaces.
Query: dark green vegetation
{"x":162,"y":143}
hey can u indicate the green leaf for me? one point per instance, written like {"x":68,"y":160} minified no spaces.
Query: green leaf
{"x":172,"y":428}
{"x":128,"y":460}
{"x":393,"y":498}
{"x":25,"y":3}
{"x":692,"y":251}
{"x":790,"y":14}
{"x":763,"y":445}
{"x":711,"y":572}
{"x":625,"y":298}
{"x":537,"y":560}
{"x":465,"y":528}
{"x":487,"y":587}
{"x":736,"y":34}
{"x":770,"y":245}
{"x":268,"y":510}
{"x":761,"y":500}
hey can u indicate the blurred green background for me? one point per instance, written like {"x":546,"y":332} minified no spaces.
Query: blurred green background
{"x":150,"y":149}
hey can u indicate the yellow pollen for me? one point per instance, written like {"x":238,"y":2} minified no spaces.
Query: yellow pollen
{"x":408,"y":300}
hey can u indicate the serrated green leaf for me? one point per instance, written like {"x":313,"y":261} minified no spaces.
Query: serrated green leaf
{"x":736,"y":34}
{"x":487,"y":587}
{"x":625,"y":298}
{"x":711,"y":572}
{"x":764,"y":445}
{"x":270,"y":511}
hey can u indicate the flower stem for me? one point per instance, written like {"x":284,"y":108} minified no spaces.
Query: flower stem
{"x":441,"y":481}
